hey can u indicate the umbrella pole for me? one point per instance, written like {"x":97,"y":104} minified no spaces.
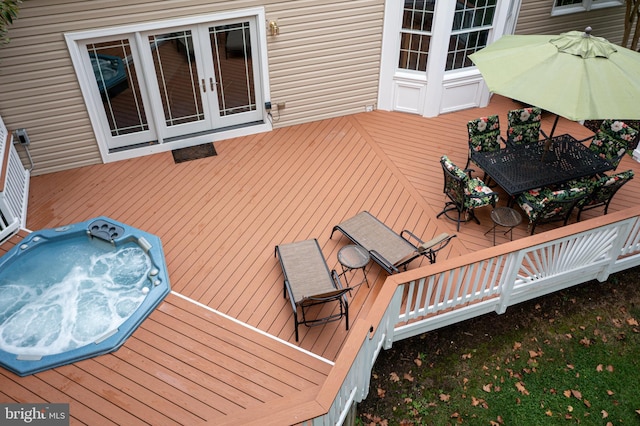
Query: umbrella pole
{"x":555,"y":123}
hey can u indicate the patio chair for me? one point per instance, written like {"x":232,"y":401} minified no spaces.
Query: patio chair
{"x":612,"y":141}
{"x":524,"y":126}
{"x":309,"y":283}
{"x":546,"y":205}
{"x":484,"y":135}
{"x":465,"y":193}
{"x":601,"y":190}
{"x":388,"y":249}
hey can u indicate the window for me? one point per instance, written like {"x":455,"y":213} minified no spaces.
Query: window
{"x":565,"y":7}
{"x":415,"y":37}
{"x":472,"y":22}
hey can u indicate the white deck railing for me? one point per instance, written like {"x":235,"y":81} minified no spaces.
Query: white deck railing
{"x":14,"y":187}
{"x":457,"y":289}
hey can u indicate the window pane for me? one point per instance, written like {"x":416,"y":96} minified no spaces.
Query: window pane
{"x":414,"y":50}
{"x":463,"y":45}
{"x":418,"y":15}
{"x":417,"y":22}
{"x":472,"y":14}
{"x":117,"y":82}
{"x":567,"y":2}
{"x":472,"y":22}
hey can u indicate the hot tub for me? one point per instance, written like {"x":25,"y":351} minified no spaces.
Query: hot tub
{"x":75,"y":292}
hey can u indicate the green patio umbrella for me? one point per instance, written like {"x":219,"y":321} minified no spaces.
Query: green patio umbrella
{"x":573,"y":75}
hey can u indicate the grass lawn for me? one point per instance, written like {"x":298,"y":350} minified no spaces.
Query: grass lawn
{"x":567,"y":358}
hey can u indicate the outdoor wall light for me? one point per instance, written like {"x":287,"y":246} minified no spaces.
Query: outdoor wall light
{"x":274,"y":29}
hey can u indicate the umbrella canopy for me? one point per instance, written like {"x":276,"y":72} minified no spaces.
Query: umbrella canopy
{"x":574,"y":74}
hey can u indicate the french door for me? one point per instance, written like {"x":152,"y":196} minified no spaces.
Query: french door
{"x":167,"y":84}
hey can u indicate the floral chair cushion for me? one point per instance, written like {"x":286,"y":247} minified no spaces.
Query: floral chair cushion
{"x":476,"y":192}
{"x":612,"y":140}
{"x":604,"y":188}
{"x":534,"y":202}
{"x":484,"y":133}
{"x":524,"y":125}
{"x":457,"y":171}
{"x":479,"y":194}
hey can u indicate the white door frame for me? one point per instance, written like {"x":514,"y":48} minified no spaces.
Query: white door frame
{"x":75,"y":41}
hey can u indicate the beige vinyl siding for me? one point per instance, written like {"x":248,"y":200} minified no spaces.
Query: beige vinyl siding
{"x":324,"y":63}
{"x":535,"y":18}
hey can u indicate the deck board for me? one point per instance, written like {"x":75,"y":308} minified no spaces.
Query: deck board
{"x":219,"y":220}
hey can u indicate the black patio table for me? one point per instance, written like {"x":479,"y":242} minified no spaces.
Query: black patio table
{"x":549,"y":162}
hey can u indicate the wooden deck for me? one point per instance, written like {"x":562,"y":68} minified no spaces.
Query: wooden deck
{"x":219,"y":219}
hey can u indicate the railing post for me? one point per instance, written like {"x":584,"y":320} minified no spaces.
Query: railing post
{"x":623,"y":232}
{"x":391,"y":316}
{"x":508,"y":279}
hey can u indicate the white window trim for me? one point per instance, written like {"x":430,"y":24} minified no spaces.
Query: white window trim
{"x":74,"y":39}
{"x":586,"y":6}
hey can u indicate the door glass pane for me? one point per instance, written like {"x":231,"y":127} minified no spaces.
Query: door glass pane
{"x":117,"y":82}
{"x":174,"y":60}
{"x":233,"y":65}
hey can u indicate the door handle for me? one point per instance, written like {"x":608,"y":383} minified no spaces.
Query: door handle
{"x":212,"y":86}
{"x":204,"y":86}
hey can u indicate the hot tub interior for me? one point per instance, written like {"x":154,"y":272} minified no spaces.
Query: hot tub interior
{"x":75,"y":292}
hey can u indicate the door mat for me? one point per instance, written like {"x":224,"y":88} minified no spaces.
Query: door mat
{"x":193,"y":152}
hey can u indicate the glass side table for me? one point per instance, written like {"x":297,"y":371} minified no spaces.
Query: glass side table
{"x":353,"y":257}
{"x":505,"y":217}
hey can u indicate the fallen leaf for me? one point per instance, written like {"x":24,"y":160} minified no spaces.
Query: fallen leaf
{"x":604,"y":414}
{"x":521,"y":388}
{"x":381,"y":393}
{"x":516,"y":346}
{"x":567,"y":393}
{"x":585,"y":341}
{"x":599,"y":368}
{"x":487,"y":387}
{"x":408,"y":377}
{"x":418,"y":362}
{"x":610,"y":392}
{"x":610,"y":368}
{"x":576,"y":394}
{"x":444,"y":397}
{"x":586,"y":403}
{"x":394,"y":377}
{"x":569,"y":408}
